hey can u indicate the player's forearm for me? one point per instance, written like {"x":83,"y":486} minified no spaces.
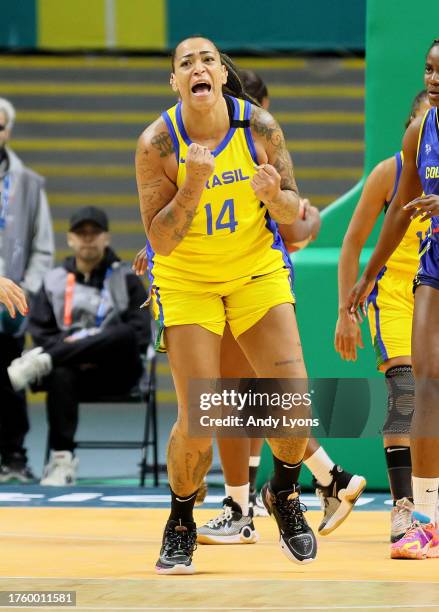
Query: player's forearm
{"x":297,"y":231}
{"x":285,"y":208}
{"x":396,"y":223}
{"x":171,"y":224}
{"x":348,"y":267}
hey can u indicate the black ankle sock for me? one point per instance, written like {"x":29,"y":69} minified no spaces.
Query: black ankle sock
{"x":182,"y":507}
{"x":399,"y":470}
{"x":285,"y":476}
{"x":252,"y":473}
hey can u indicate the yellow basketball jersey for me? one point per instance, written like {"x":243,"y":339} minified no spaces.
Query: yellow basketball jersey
{"x":232,"y":234}
{"x":406,"y":256}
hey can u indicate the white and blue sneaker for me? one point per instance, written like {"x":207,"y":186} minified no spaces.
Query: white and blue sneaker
{"x":230,"y":527}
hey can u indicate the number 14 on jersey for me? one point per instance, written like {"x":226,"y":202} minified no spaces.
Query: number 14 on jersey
{"x":225,"y":219}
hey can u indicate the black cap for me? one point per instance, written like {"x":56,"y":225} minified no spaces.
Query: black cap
{"x":89,"y":214}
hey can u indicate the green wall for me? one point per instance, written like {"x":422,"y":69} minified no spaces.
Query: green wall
{"x":280,"y":24}
{"x":399,"y":32}
{"x":18,"y":24}
{"x":398,"y":35}
{"x":160,"y":24}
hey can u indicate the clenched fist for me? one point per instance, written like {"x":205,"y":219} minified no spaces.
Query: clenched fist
{"x":266,"y":183}
{"x":200,"y":163}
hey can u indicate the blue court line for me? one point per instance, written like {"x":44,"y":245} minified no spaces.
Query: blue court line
{"x":20,"y":496}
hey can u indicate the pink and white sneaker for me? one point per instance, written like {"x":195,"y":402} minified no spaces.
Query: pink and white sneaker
{"x":421,"y":541}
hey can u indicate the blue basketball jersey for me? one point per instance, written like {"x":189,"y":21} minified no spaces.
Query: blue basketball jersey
{"x":428,"y":161}
{"x":405,"y":258}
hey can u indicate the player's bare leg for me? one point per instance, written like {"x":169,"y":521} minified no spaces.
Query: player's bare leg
{"x":273,"y":349}
{"x":193,"y":352}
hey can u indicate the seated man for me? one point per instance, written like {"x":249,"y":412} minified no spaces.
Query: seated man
{"x":89,"y":333}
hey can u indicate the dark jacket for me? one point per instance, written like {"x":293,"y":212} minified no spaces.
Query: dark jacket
{"x":119,"y":303}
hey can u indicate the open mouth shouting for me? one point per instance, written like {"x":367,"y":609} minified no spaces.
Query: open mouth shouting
{"x":201,"y":88}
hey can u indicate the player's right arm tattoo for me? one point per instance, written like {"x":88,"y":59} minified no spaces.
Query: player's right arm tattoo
{"x":167,"y":212}
{"x":163,"y":143}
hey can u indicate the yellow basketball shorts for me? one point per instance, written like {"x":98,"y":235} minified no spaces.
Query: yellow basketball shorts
{"x":242,"y":303}
{"x":390,"y":313}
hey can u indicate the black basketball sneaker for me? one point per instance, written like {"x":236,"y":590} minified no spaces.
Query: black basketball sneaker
{"x":178,"y":545}
{"x":296,"y":537}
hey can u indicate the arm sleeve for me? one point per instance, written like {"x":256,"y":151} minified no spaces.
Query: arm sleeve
{"x":42,"y":249}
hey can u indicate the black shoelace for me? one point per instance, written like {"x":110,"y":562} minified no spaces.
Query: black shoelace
{"x":291,"y":512}
{"x":181,"y":541}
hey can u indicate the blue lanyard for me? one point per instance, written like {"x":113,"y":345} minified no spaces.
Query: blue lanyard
{"x":100,"y":314}
{"x":5,"y":201}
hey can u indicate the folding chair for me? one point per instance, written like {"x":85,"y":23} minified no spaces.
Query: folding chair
{"x":144,"y":393}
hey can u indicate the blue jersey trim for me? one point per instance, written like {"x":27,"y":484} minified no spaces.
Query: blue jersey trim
{"x":223,"y":144}
{"x":398,"y":174}
{"x":372,"y":299}
{"x":172,"y":134}
{"x":279,"y":245}
{"x":421,"y":135}
{"x":150,"y":255}
{"x":248,"y":132}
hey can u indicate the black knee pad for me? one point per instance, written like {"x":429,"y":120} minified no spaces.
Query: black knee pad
{"x":401,"y":400}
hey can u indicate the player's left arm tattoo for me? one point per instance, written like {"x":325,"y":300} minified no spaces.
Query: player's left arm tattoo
{"x":267,"y":132}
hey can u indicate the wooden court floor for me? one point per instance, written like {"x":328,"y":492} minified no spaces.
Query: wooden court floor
{"x":107,"y":556}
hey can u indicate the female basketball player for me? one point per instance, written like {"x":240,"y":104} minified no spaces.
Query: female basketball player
{"x":214,"y":176}
{"x":240,"y":457}
{"x":390,"y":312}
{"x":336,"y":488}
{"x":420,"y":175}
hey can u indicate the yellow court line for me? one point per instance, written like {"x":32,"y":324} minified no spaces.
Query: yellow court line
{"x":321,"y":200}
{"x":85,"y":117}
{"x":328,"y":173}
{"x":163,"y":396}
{"x":123,"y":63}
{"x":145,"y":118}
{"x":160,"y":63}
{"x":116,"y":227}
{"x":153,"y":89}
{"x":107,"y":144}
{"x":274,"y":63}
{"x":110,"y":171}
{"x":52,"y":88}
{"x":119,"y":171}
{"x":320,"y":146}
{"x":57,"y":198}
{"x":321,"y":117}
{"x":124,"y":254}
{"x":75,"y":144}
{"x":317,"y":91}
{"x":353,"y":63}
{"x":134,"y":63}
{"x":163,"y":369}
{"x":129,"y":200}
